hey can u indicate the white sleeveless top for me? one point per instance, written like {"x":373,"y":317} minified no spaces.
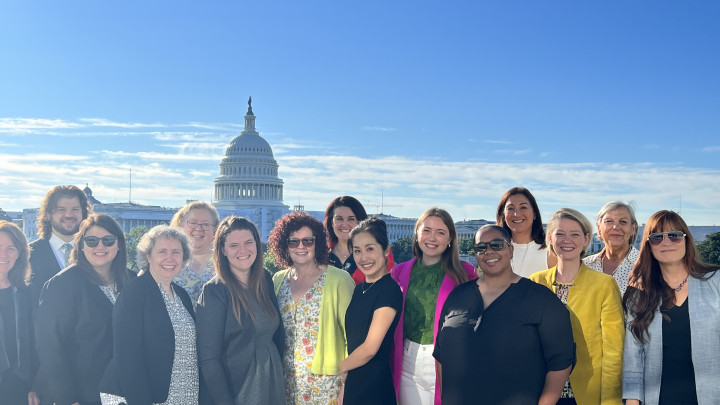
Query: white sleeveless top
{"x":528,"y":258}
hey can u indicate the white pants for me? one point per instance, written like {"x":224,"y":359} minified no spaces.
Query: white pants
{"x":417,"y":381}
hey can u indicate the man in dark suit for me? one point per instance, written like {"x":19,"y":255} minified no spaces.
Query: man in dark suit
{"x":59,"y":217}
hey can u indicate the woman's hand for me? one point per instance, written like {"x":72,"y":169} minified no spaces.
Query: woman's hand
{"x":33,"y":398}
{"x":632,"y":402}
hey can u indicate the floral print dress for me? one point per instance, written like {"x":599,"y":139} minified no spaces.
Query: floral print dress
{"x":302,"y":325}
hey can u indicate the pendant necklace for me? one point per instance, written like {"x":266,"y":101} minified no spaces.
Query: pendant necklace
{"x":364,"y":290}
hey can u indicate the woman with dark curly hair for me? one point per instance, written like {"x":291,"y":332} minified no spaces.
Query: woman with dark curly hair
{"x":313,"y":298}
{"x":673,"y":307}
{"x":341,"y":216}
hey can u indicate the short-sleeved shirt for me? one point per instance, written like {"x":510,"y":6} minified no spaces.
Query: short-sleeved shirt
{"x":371,"y":383}
{"x":501,"y":355}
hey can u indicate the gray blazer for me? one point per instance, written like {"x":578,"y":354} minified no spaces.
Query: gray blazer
{"x":642,"y":363}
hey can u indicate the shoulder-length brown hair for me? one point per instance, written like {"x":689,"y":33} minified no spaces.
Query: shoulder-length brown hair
{"x":451,"y":256}
{"x":257,"y":283}
{"x":44,"y":220}
{"x":118,"y":267}
{"x":19,"y":274}
{"x":650,"y":289}
{"x":536,"y":232}
{"x":290,"y":223}
{"x":343,"y":201}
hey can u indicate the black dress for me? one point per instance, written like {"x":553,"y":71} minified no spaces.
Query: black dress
{"x":18,"y":360}
{"x":371,"y":383}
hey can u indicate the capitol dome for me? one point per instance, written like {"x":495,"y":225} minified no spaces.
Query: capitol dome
{"x":249,"y":172}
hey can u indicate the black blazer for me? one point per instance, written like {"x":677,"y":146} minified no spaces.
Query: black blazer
{"x":43,"y":264}
{"x":144,"y":343}
{"x":224,"y":347}
{"x":24,"y":338}
{"x":73,"y":331}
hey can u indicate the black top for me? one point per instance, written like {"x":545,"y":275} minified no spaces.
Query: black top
{"x":373,"y":382}
{"x":18,"y":359}
{"x":74,"y":338}
{"x":501,"y":355}
{"x":43,"y":265}
{"x":348,"y":266}
{"x":677,"y":384}
{"x":225,"y":348}
{"x":143,"y":342}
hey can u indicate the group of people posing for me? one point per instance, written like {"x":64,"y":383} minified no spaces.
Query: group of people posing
{"x":202,"y":322}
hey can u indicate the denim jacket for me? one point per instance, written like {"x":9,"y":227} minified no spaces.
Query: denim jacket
{"x":642,"y":363}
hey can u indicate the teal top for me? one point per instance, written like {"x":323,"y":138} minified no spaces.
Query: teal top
{"x":420,"y":302}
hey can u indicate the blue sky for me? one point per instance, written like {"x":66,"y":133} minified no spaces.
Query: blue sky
{"x":427,"y":103}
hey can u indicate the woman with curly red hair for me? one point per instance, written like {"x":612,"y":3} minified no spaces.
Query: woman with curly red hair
{"x":313,"y":298}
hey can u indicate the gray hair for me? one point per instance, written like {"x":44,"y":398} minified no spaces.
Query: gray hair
{"x":575,"y":215}
{"x":612,"y":206}
{"x":147,"y":242}
{"x":182,"y":213}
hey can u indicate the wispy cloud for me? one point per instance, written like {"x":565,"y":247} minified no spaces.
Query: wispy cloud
{"x":102,"y":122}
{"x":379,"y":129}
{"x":28,"y":125}
{"x":714,"y":148}
{"x":512,"y":151}
{"x":497,"y":141}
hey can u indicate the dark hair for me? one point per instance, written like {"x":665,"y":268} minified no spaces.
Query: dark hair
{"x":19,"y":274}
{"x":502,"y":231}
{"x":343,"y":201}
{"x":290,"y":223}
{"x":256,"y":281}
{"x":537,"y":232}
{"x":118,"y":267}
{"x":451,"y":263}
{"x":44,"y":219}
{"x":648,"y":288}
{"x":376,"y":227}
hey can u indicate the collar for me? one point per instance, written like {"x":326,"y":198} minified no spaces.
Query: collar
{"x":56,"y":243}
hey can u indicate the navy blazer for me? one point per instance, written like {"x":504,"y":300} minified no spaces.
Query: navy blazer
{"x":225,"y":347}
{"x":144,"y":343}
{"x":73,"y":331}
{"x":43,"y":264}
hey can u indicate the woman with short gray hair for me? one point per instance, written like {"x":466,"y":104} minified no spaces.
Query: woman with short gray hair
{"x":618,"y":229}
{"x":154,"y":354}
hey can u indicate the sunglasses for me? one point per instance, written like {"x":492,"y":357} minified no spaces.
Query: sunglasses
{"x":673,"y":236}
{"x":93,"y":241}
{"x":308,"y":242}
{"x":482,"y":247}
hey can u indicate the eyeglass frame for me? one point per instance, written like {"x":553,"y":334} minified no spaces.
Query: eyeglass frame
{"x":484,"y":250}
{"x":307,"y":242}
{"x":653,"y":237}
{"x":97,"y":241}
{"x":203,"y":226}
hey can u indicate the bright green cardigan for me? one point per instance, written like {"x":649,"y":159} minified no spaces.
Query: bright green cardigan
{"x":331,"y":347}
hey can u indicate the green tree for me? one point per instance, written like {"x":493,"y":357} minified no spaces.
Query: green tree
{"x":402,"y":249}
{"x":132,"y":238}
{"x":709,"y":249}
{"x":269,"y":262}
{"x":466,"y":246}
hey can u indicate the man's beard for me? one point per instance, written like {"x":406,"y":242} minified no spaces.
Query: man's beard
{"x":61,"y":230}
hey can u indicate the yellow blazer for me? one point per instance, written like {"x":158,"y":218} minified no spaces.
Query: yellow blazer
{"x":598,"y":327}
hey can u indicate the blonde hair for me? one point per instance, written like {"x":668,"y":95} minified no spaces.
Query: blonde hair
{"x":575,"y":215}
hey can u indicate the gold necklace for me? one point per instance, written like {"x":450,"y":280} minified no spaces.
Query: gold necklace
{"x":364,"y":290}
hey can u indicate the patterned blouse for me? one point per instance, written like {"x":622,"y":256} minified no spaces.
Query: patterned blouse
{"x":302,"y":325}
{"x":563,"y":292}
{"x":193,"y":282}
{"x":622,"y":272}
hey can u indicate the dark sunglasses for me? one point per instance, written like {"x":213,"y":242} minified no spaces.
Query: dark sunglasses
{"x":495,"y":244}
{"x":107,"y":240}
{"x":307,"y":242}
{"x":673,"y":236}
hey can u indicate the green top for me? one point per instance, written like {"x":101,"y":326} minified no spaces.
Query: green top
{"x":420,"y":302}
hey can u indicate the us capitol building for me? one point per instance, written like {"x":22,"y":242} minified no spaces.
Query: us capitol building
{"x":248,"y":186}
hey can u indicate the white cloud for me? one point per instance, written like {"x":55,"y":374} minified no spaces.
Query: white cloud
{"x":103,"y":122}
{"x":28,"y":125}
{"x":379,"y":129}
{"x":714,"y":148}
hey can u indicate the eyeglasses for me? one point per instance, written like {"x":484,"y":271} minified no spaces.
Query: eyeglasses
{"x":673,"y":236}
{"x":495,"y":244}
{"x":204,"y":226}
{"x":93,"y":241}
{"x":294,"y":243}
